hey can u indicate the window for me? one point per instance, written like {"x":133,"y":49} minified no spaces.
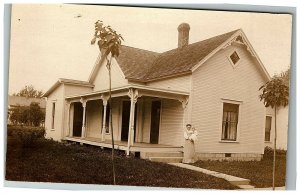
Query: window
{"x":230,"y":121}
{"x":53,"y":115}
{"x":107,"y":118}
{"x":268,"y":128}
{"x":234,"y":57}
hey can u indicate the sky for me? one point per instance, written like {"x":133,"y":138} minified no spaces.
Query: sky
{"x":53,"y":41}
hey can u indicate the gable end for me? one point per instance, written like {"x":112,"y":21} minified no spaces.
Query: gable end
{"x":240,"y":38}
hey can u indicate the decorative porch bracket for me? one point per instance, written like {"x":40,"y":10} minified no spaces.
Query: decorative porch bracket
{"x":133,"y":95}
{"x":83,"y":102}
{"x":186,"y":113}
{"x":104,"y":99}
{"x":184,"y":101}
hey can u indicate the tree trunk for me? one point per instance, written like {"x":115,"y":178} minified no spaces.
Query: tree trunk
{"x":111,"y":125}
{"x":274,"y":157}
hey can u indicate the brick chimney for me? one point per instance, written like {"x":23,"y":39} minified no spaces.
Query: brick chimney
{"x":183,"y":35}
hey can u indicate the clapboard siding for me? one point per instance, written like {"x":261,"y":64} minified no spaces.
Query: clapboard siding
{"x":282,"y":127}
{"x":140,"y":120}
{"x":146,"y":120}
{"x":215,"y":80}
{"x":75,"y":90}
{"x":181,"y":83}
{"x":94,"y":118}
{"x":171,"y":126}
{"x":56,"y":96}
{"x":101,"y":81}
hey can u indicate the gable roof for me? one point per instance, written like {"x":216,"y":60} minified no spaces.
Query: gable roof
{"x":68,"y":82}
{"x":25,"y":101}
{"x":182,"y":60}
{"x":144,"y":66}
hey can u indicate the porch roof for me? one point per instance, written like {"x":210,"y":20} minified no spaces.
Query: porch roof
{"x":125,"y":88}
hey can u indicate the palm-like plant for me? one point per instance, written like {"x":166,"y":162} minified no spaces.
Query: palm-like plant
{"x":275,"y":93}
{"x":109,"y":44}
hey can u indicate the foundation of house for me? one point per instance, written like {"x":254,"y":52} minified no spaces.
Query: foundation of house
{"x":229,"y":156}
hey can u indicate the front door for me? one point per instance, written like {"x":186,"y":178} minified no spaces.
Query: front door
{"x":77,"y":119}
{"x":155,"y":121}
{"x":125,"y":120}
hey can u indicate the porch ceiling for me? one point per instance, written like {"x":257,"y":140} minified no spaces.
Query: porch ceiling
{"x":123,"y":91}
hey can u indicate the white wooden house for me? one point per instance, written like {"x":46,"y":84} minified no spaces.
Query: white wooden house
{"x":212,"y":84}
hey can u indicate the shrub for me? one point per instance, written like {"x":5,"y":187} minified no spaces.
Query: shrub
{"x":27,"y":136}
{"x":27,"y":115}
{"x":270,"y":151}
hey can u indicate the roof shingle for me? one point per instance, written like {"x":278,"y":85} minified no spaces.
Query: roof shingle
{"x":145,"y":65}
{"x":134,"y":62}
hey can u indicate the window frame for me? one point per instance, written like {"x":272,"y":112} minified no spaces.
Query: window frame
{"x":53,"y":111}
{"x":271,"y":116}
{"x":231,"y":62}
{"x":229,"y":101}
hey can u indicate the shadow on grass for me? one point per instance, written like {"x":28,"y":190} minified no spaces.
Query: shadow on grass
{"x":51,"y":161}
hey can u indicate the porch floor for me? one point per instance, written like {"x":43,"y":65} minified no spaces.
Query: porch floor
{"x":122,"y":145}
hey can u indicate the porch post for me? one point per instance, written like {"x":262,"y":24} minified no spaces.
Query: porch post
{"x":68,"y":117}
{"x":83,"y":102}
{"x":133,"y":94}
{"x":104,"y":119}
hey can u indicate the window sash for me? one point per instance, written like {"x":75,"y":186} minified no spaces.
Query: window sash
{"x":230,"y":122}
{"x":53,"y":115}
{"x":234,"y":57}
{"x":268,"y":127}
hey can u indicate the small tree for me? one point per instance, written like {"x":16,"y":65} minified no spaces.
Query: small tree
{"x":109,"y":43}
{"x":15,"y":115}
{"x":27,"y":115}
{"x":29,"y":92}
{"x":36,"y":115}
{"x":275,"y":93}
{"x":20,"y":115}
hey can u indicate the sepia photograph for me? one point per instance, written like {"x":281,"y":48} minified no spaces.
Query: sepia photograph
{"x":148,"y":97}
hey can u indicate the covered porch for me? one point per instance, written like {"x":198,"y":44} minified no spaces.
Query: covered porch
{"x":122,"y":145}
{"x":144,"y":119}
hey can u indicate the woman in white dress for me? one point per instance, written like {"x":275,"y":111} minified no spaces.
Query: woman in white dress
{"x":190,"y":135}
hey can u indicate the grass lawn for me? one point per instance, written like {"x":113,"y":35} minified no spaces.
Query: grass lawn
{"x":50,"y":161}
{"x":259,"y":172}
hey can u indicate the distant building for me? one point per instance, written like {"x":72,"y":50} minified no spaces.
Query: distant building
{"x":15,"y":101}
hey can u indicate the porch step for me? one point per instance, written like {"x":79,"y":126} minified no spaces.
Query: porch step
{"x":163,"y":154}
{"x":246,"y":186}
{"x":166,"y":159}
{"x":148,"y":149}
{"x":238,"y":181}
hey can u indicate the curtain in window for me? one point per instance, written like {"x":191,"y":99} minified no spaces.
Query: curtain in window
{"x":230,"y":120}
